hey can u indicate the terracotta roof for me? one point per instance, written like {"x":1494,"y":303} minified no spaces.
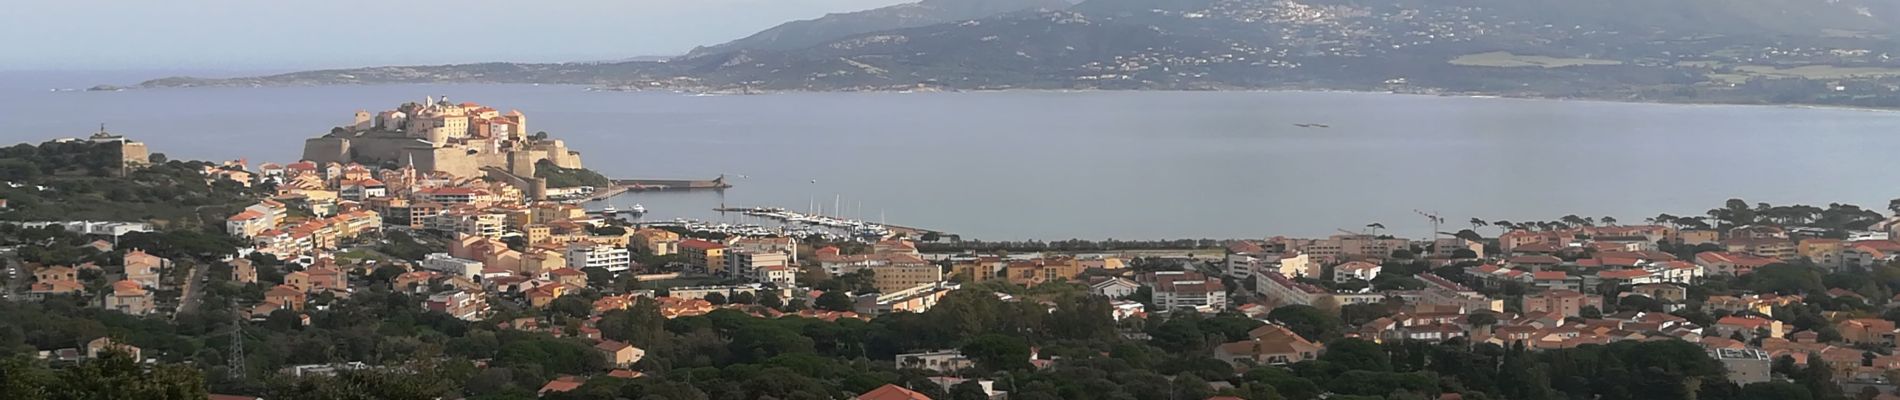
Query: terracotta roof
{"x":1745,"y":322}
{"x":246,"y":215}
{"x":563,"y":384}
{"x":892,"y":392}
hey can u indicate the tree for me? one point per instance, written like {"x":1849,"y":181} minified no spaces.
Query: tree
{"x":1775,"y":391}
{"x":1483,"y":318}
{"x":968,"y":390}
{"x":834,"y":301}
{"x":743,"y":298}
{"x":1308,"y":322}
{"x":997,"y":352}
{"x":572,"y":306}
{"x":770,"y":299}
{"x":112,"y":376}
{"x":1357,"y":354}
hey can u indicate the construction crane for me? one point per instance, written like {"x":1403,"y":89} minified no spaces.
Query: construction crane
{"x":1435,"y":219}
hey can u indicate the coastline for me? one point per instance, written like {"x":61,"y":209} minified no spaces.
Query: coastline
{"x":934,"y":90}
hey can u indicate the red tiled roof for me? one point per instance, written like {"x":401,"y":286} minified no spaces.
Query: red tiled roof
{"x":892,"y":392}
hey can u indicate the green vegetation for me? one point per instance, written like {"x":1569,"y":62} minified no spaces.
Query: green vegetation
{"x":1504,"y":59}
{"x":569,"y":177}
{"x":115,"y":375}
{"x":81,"y":183}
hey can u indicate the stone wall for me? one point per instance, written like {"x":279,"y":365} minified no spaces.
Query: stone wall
{"x":395,"y":149}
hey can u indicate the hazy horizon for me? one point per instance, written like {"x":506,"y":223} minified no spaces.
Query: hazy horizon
{"x":244,"y":35}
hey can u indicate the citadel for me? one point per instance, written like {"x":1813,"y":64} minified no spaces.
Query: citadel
{"x":466,"y":139}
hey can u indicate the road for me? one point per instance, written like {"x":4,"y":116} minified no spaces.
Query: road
{"x":193,"y":291}
{"x":17,"y":277}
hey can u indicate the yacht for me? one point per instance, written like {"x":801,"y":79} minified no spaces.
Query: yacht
{"x":609,"y":212}
{"x":638,"y":209}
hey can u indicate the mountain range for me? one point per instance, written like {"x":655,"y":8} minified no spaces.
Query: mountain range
{"x":1704,"y":50}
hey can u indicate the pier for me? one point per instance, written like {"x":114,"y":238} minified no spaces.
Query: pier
{"x":622,"y":186}
{"x":881,"y":230}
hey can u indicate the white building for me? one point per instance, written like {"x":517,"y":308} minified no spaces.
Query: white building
{"x":746,"y":263}
{"x":1360,"y":270}
{"x":1115,"y":288}
{"x":779,"y":275}
{"x":1188,"y":290}
{"x":946,"y":361}
{"x":587,"y":255}
{"x":442,"y":262}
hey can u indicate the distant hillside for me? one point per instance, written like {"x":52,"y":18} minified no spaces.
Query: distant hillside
{"x":806,"y":33}
{"x":1731,"y":51}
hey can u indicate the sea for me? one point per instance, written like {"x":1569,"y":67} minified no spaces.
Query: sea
{"x":1047,"y":165}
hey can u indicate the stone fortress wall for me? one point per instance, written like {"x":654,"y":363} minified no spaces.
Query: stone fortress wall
{"x":459,"y":139}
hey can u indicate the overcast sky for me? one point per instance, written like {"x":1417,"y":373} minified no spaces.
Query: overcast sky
{"x":279,"y":34}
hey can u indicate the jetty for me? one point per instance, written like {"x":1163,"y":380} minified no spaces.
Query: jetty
{"x":621,"y":186}
{"x":878,"y":230}
{"x":673,"y":184}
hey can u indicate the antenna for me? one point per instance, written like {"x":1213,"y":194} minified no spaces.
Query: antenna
{"x":236,"y":364}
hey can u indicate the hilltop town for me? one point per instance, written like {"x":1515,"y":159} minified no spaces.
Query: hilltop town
{"x":410,"y":259}
{"x":466,"y":139}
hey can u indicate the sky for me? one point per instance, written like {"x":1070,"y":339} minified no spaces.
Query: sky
{"x":236,"y":35}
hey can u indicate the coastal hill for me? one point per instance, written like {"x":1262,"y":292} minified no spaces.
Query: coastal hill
{"x":806,"y":33}
{"x":1751,"y":51}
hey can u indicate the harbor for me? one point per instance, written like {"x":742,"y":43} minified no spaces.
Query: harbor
{"x":623,"y":186}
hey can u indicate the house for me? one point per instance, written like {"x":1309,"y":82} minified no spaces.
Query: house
{"x":1360,"y":270}
{"x":1532,"y":263}
{"x":589,"y":255}
{"x":466,"y":305}
{"x":708,"y":255}
{"x":1867,"y":331}
{"x":1174,"y":290}
{"x":327,"y":279}
{"x":104,"y":344}
{"x":541,"y":296}
{"x":1748,"y":327}
{"x":1556,"y":280}
{"x":568,"y":276}
{"x":1780,"y":249}
{"x":55,"y":280}
{"x":1268,"y":345}
{"x":412,"y":281}
{"x":947,"y":361}
{"x":242,"y":271}
{"x":285,"y":297}
{"x":1731,"y":263}
{"x":1664,"y":292}
{"x":778,"y":275}
{"x":1567,"y":303}
{"x":620,"y":354}
{"x":563,"y":384}
{"x":1114,"y":288}
{"x":143,"y":268}
{"x":892,"y":392}
{"x":130,"y":298}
